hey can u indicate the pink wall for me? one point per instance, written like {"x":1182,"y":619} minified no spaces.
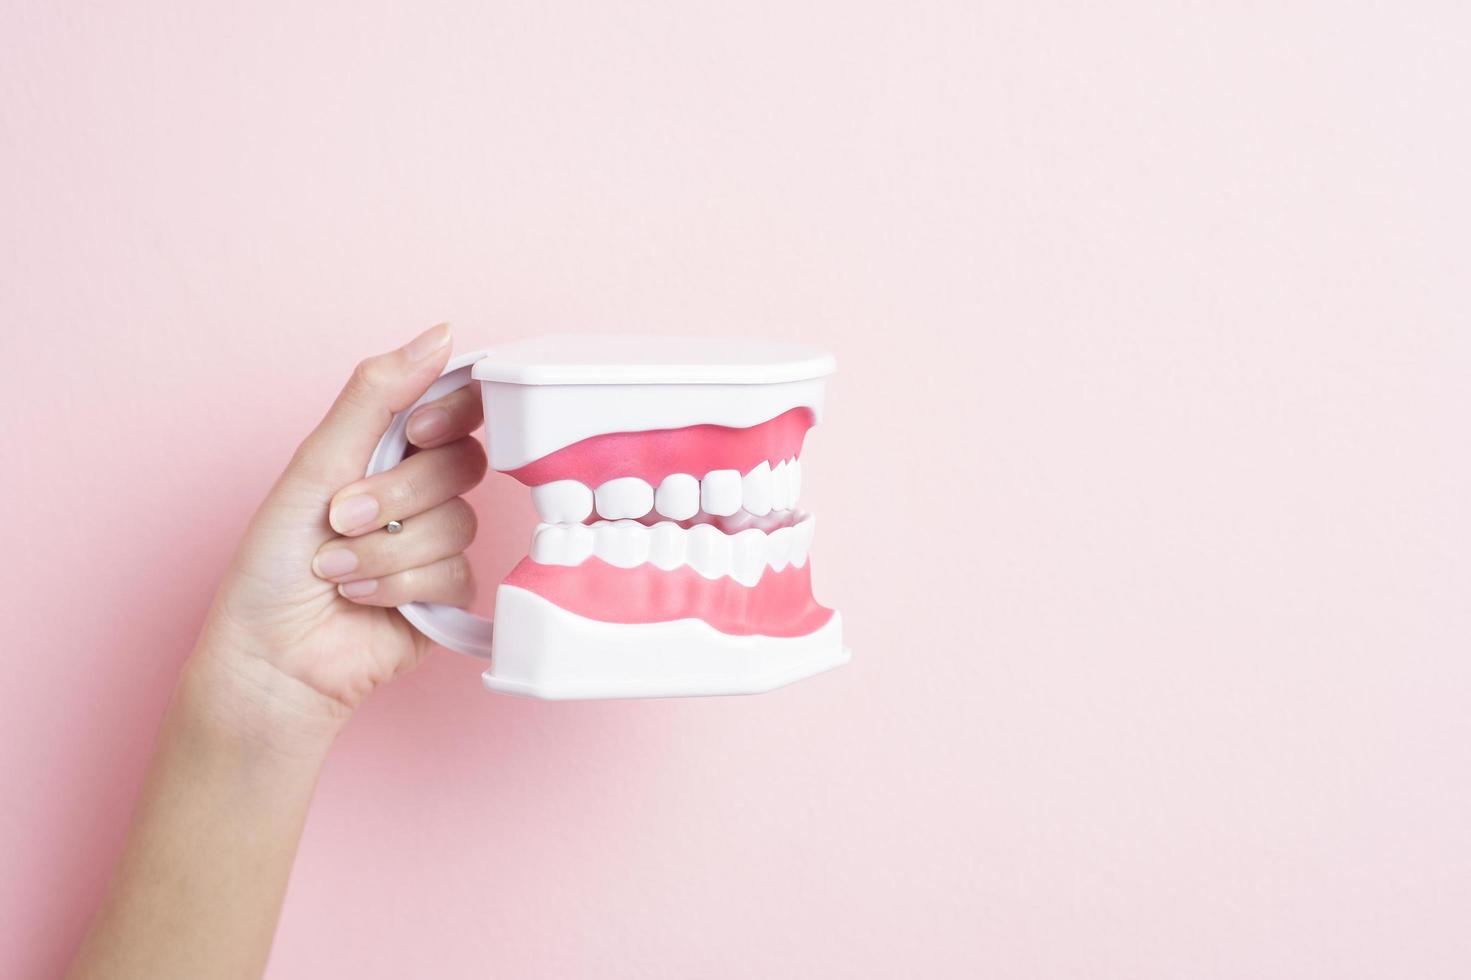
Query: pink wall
{"x":1144,"y":487}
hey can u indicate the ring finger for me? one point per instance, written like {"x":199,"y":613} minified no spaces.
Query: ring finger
{"x":437,"y":533}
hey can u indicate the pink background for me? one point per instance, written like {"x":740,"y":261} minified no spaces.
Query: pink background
{"x":1144,"y":487}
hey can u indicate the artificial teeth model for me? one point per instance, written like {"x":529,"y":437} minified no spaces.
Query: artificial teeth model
{"x":672,"y":556}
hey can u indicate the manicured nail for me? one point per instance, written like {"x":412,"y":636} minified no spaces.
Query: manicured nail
{"x":354,"y":513}
{"x":335,"y":562}
{"x":427,"y":342}
{"x":431,"y":423}
{"x":359,"y":589}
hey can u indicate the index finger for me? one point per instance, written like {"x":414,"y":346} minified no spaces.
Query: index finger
{"x":338,"y":449}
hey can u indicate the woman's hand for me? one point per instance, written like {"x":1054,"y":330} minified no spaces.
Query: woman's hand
{"x":303,"y":626}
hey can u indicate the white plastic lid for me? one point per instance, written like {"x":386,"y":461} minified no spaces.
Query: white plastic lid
{"x":592,"y":359}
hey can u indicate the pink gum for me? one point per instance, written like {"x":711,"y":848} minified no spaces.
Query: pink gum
{"x":651,"y":456}
{"x":781,"y":604}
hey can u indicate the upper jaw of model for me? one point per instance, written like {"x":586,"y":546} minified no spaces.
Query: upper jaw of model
{"x":667,"y":476}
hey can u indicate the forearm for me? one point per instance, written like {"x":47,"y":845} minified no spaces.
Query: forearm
{"x":285,"y":657}
{"x":199,"y":887}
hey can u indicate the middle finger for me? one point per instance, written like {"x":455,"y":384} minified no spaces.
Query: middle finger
{"x":424,"y":480}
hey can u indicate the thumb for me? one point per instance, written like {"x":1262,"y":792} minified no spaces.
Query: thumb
{"x":338,"y":449}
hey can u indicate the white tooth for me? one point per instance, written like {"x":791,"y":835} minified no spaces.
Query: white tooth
{"x":625,"y":496}
{"x":678,"y":496}
{"x":562,"y":501}
{"x":720,"y":492}
{"x":756,"y":490}
{"x":747,"y":556}
{"x":801,"y":542}
{"x":621,"y":543}
{"x":707,"y":551}
{"x":779,"y":548}
{"x":579,"y":538}
{"x":738,"y":521}
{"x":546,"y":545}
{"x":781,"y":487}
{"x":666,"y":545}
{"x":561,"y":544}
{"x":794,"y":481}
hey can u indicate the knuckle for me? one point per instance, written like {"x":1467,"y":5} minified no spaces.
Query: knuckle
{"x":466,"y":402}
{"x":472,"y":454}
{"x":398,"y":495}
{"x":367,"y":378}
{"x":464,"y":522}
{"x":400,"y":584}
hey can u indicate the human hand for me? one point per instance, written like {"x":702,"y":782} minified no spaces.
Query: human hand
{"x":303,"y":626}
{"x":301,"y":630}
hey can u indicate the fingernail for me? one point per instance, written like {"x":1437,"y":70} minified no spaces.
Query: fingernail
{"x":357,"y":590}
{"x":335,"y":562}
{"x":431,"y":423}
{"x":427,"y":342}
{"x":354,"y":513}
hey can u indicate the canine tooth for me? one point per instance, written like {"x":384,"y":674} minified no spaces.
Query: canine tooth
{"x":794,"y":481}
{"x":747,"y":556}
{"x":707,"y":551}
{"x":678,"y":496}
{"x":801,"y":542}
{"x":720,"y":492}
{"x":562,"y":501}
{"x":756,"y":490}
{"x":621,"y":543}
{"x":779,"y":548}
{"x":666,"y":545}
{"x":781,"y":487}
{"x":625,"y":496}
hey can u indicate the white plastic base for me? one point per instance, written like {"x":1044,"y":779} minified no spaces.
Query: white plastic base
{"x":543,"y":651}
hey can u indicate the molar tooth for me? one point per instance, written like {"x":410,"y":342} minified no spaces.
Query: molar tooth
{"x":756,"y":490}
{"x":748,"y":556}
{"x":666,"y":545}
{"x":781,"y":487}
{"x":720,"y":492}
{"x":562,"y":501}
{"x":801,"y":542}
{"x":678,"y":496}
{"x":622,"y":543}
{"x":779,"y":548}
{"x":794,"y":480}
{"x":707,"y":551}
{"x":624,"y":496}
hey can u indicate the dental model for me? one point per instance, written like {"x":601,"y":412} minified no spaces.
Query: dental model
{"x":671,"y":558}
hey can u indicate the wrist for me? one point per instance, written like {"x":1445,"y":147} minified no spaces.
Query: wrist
{"x":244,"y":699}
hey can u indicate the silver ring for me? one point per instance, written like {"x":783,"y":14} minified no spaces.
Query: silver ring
{"x":393,"y":527}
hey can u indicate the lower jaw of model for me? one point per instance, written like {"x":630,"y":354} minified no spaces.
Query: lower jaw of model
{"x":675,"y":559}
